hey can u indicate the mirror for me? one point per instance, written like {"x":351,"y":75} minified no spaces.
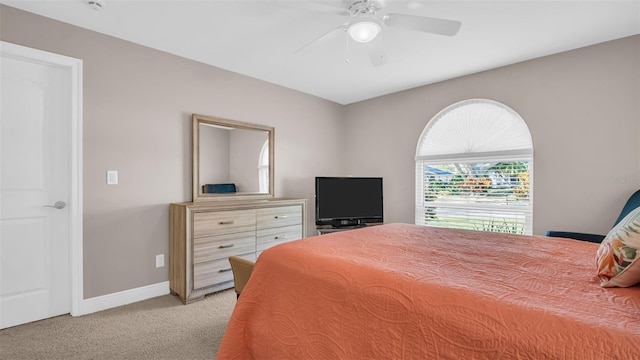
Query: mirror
{"x":231,"y":159}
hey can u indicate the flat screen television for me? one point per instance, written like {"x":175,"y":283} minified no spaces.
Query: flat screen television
{"x":348,"y":201}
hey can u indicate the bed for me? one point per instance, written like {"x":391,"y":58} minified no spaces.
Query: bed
{"x":401,"y":291}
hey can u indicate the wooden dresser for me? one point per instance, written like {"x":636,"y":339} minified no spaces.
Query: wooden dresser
{"x":204,"y":234}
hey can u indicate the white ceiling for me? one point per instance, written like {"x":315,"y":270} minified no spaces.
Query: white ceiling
{"x":259,"y":38}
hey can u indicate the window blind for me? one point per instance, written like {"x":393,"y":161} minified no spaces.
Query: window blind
{"x":475,"y":195}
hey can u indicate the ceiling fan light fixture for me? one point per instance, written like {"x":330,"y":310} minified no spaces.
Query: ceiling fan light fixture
{"x":364,"y":30}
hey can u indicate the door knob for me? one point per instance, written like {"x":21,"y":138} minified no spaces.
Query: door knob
{"x":58,"y":205}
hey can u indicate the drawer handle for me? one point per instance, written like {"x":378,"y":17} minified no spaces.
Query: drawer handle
{"x":281,"y":237}
{"x":226,"y":222}
{"x":225,"y":246}
{"x":224,"y":270}
{"x":280,"y":216}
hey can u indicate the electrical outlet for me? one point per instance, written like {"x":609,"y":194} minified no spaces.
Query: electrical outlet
{"x":112,"y":177}
{"x":160,"y":260}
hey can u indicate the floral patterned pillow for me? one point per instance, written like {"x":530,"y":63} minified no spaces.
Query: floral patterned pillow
{"x":617,"y":257}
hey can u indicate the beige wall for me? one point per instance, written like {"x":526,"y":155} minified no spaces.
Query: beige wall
{"x":581,"y":106}
{"x":214,"y":155}
{"x":137,"y":120}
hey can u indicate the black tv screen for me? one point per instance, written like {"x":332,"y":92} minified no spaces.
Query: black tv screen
{"x":348,"y":201}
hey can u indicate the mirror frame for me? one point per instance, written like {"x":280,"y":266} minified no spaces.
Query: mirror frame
{"x":198,"y":195}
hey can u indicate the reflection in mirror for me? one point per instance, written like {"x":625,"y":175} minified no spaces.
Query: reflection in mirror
{"x":263,"y":168}
{"x":231,"y":159}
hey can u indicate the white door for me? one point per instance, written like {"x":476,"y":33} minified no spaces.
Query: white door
{"x":34,"y":182}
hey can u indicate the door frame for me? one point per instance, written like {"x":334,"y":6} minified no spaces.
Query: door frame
{"x":74,"y":66}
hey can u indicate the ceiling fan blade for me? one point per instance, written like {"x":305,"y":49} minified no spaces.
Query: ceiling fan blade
{"x":322,"y":37}
{"x":376,"y":53}
{"x":423,"y":23}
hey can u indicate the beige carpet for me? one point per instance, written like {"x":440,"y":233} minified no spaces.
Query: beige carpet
{"x":159,"y":328}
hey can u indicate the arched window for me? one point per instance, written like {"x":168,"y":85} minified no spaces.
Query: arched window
{"x":263,"y":168}
{"x":474,"y":167}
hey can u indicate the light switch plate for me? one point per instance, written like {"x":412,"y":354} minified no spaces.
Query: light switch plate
{"x":112,"y":177}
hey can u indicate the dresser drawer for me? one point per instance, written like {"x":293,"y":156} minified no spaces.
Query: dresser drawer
{"x":279,"y":216}
{"x":274,"y":236}
{"x":215,"y":272}
{"x":223,"y":246}
{"x":223,"y":222}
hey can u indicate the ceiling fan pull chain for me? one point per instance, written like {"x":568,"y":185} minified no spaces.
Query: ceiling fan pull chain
{"x":346,"y":57}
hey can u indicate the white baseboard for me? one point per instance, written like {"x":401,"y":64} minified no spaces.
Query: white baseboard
{"x":109,"y":301}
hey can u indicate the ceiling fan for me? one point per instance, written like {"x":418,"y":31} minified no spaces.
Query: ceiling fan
{"x":367,"y":22}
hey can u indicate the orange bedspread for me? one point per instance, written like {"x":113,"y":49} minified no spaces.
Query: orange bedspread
{"x":408,"y":292}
